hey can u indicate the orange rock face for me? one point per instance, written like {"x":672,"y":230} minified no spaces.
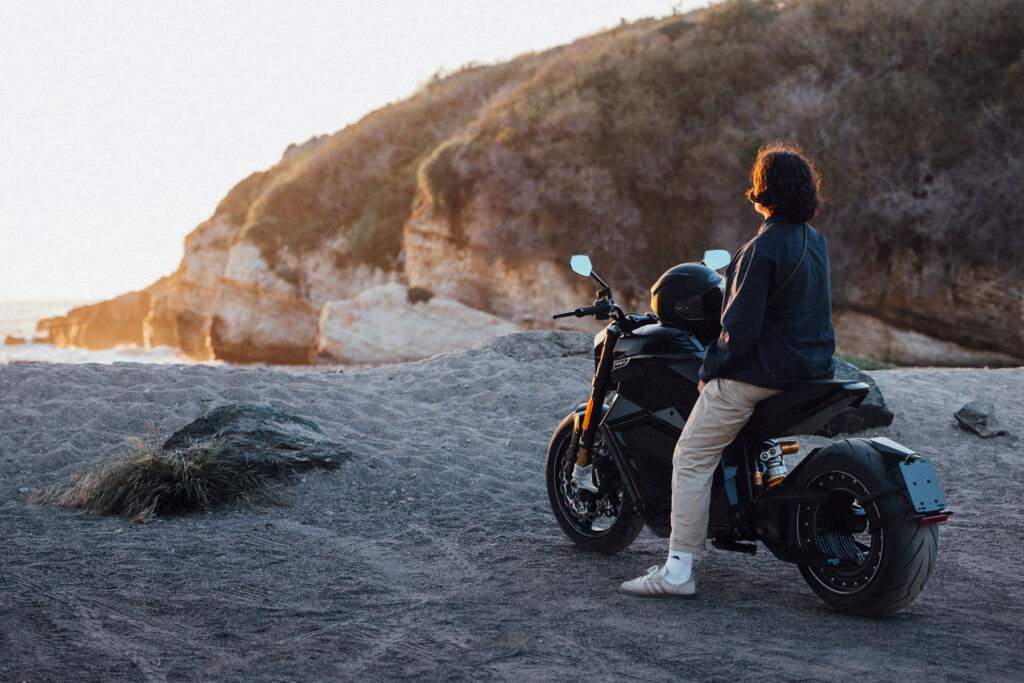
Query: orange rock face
{"x":100,"y":326}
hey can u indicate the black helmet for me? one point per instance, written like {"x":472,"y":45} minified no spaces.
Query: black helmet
{"x":689,"y":295}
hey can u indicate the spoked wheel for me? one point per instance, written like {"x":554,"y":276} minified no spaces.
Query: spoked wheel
{"x":874,"y":556}
{"x":605,"y":521}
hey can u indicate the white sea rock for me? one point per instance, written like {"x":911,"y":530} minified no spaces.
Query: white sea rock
{"x":380,"y":325}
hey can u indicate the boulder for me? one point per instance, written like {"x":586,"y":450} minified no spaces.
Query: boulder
{"x":979,"y":417}
{"x":872,"y":412}
{"x":256,"y":428}
{"x":381,"y":325}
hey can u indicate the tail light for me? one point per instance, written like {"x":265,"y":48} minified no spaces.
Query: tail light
{"x":934,"y":519}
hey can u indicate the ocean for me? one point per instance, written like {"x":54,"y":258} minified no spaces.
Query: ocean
{"x":19,"y":318}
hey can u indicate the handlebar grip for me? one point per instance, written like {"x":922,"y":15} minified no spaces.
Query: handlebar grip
{"x":596,"y":309}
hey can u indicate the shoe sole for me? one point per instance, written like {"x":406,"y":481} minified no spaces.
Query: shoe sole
{"x":677,"y":596}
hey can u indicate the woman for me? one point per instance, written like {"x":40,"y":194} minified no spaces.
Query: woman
{"x":776,"y":330}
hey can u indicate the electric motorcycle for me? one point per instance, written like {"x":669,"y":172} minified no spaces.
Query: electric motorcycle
{"x":858,"y":517}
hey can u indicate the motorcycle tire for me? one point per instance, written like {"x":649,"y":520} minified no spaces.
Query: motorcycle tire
{"x":876,"y":556}
{"x":584,"y":517}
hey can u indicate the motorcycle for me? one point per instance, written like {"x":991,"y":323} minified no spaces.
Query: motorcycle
{"x":858,"y":517}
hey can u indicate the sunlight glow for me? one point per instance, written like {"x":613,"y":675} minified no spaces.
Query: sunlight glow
{"x":126,"y":122}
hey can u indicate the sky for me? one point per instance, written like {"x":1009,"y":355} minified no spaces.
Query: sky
{"x":123,"y":123}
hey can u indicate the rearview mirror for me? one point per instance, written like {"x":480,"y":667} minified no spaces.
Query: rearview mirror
{"x":580,"y":265}
{"x":716,"y":259}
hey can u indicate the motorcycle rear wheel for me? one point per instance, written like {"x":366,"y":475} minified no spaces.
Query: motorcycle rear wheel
{"x":606,"y":522}
{"x":876,"y":556}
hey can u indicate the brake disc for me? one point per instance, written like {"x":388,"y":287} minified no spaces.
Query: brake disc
{"x":584,"y":505}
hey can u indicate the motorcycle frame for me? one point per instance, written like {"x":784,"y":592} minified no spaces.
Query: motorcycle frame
{"x":738,"y":513}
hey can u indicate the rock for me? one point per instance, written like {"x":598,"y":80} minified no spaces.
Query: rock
{"x":979,"y":417}
{"x":226,"y":302}
{"x":251,"y":326}
{"x":872,"y":412}
{"x":870,"y":337}
{"x":183,"y":307}
{"x":419,"y":295}
{"x":100,"y":326}
{"x":527,"y":346}
{"x":193,"y":335}
{"x":256,"y":427}
{"x":13,"y":340}
{"x":380,"y":325}
{"x":524,"y":289}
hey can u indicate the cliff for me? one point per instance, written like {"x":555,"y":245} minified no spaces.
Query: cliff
{"x":634,"y":146}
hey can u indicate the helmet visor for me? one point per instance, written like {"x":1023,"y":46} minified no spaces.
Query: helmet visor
{"x":690,"y":309}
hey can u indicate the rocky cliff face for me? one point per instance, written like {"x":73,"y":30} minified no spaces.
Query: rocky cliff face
{"x":634,"y":146}
{"x":100,"y":326}
{"x":524,"y":289}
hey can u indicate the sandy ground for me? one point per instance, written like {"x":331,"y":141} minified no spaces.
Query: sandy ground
{"x":433,"y":554}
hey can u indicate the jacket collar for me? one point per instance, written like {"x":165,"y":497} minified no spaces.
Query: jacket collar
{"x":768,"y":222}
{"x":776,"y":220}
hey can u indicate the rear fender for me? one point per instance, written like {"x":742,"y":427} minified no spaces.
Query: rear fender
{"x":909,"y":472}
{"x":911,"y":476}
{"x":913,"y":473}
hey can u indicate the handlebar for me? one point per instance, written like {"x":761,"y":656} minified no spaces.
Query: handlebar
{"x":597,"y":309}
{"x":605,"y":309}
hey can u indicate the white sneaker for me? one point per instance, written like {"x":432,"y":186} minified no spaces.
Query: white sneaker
{"x":653,"y":584}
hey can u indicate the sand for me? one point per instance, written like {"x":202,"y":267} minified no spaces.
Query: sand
{"x":432,"y":554}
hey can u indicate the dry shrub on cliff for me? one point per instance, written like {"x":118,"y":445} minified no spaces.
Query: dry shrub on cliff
{"x":361,"y":181}
{"x":635,"y":145}
{"x":152,"y":481}
{"x":438,"y":179}
{"x":649,"y":130}
{"x":898,"y":101}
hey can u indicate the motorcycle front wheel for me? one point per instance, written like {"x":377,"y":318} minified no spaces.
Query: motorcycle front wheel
{"x":875,"y":557}
{"x":606,"y":522}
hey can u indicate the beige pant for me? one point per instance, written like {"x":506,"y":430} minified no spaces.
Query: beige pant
{"x":723,"y":408}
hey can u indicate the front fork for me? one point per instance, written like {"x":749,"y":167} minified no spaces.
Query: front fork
{"x":583,"y":435}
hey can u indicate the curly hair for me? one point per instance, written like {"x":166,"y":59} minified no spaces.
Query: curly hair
{"x":784,"y":182}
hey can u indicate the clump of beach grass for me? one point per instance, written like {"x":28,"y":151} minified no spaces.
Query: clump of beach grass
{"x":149,"y":481}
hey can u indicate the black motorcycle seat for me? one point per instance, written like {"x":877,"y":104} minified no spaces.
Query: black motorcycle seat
{"x":806,"y":406}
